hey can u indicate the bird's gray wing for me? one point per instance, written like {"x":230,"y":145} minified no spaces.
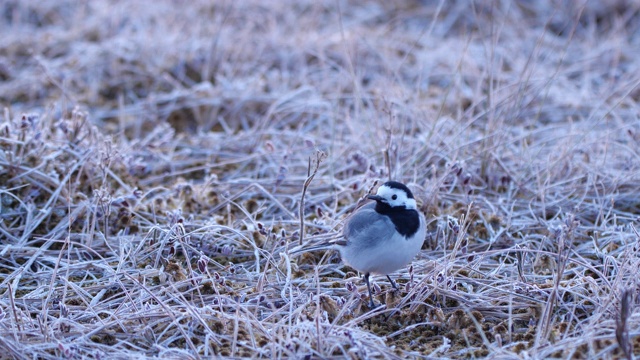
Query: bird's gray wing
{"x":366,"y":228}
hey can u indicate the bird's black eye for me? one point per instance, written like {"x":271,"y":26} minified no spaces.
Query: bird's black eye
{"x":394,"y":197}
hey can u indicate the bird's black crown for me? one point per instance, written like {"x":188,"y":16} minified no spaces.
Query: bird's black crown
{"x":401,"y":186}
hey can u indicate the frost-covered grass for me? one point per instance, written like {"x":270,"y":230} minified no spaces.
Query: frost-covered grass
{"x":153,"y":157}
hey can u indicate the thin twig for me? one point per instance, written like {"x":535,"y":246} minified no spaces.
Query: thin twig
{"x":13,"y":306}
{"x":320,"y":156}
{"x":622,"y":327}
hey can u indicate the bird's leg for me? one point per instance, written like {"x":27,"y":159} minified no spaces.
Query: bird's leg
{"x":393,"y":283}
{"x":366,"y":279}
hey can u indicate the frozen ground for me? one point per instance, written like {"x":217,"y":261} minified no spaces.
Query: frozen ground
{"x":153,"y":156}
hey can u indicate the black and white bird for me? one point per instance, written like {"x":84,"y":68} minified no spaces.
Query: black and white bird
{"x":382,"y":236}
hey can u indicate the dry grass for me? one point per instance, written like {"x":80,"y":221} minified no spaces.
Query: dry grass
{"x":153,"y":160}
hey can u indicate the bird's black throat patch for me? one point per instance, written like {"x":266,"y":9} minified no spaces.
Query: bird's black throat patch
{"x":407,"y":221}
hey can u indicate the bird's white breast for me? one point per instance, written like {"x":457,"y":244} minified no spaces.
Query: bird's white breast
{"x":385,"y":256}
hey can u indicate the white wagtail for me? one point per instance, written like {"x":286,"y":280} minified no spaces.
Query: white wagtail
{"x":384,"y":236}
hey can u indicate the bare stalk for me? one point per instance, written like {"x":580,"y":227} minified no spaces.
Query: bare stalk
{"x":320,"y":156}
{"x":622,"y":328}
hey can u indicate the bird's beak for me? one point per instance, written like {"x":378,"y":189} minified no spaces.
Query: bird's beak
{"x":375,"y":197}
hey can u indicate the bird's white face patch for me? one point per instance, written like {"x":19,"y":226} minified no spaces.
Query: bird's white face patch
{"x":396,"y":197}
